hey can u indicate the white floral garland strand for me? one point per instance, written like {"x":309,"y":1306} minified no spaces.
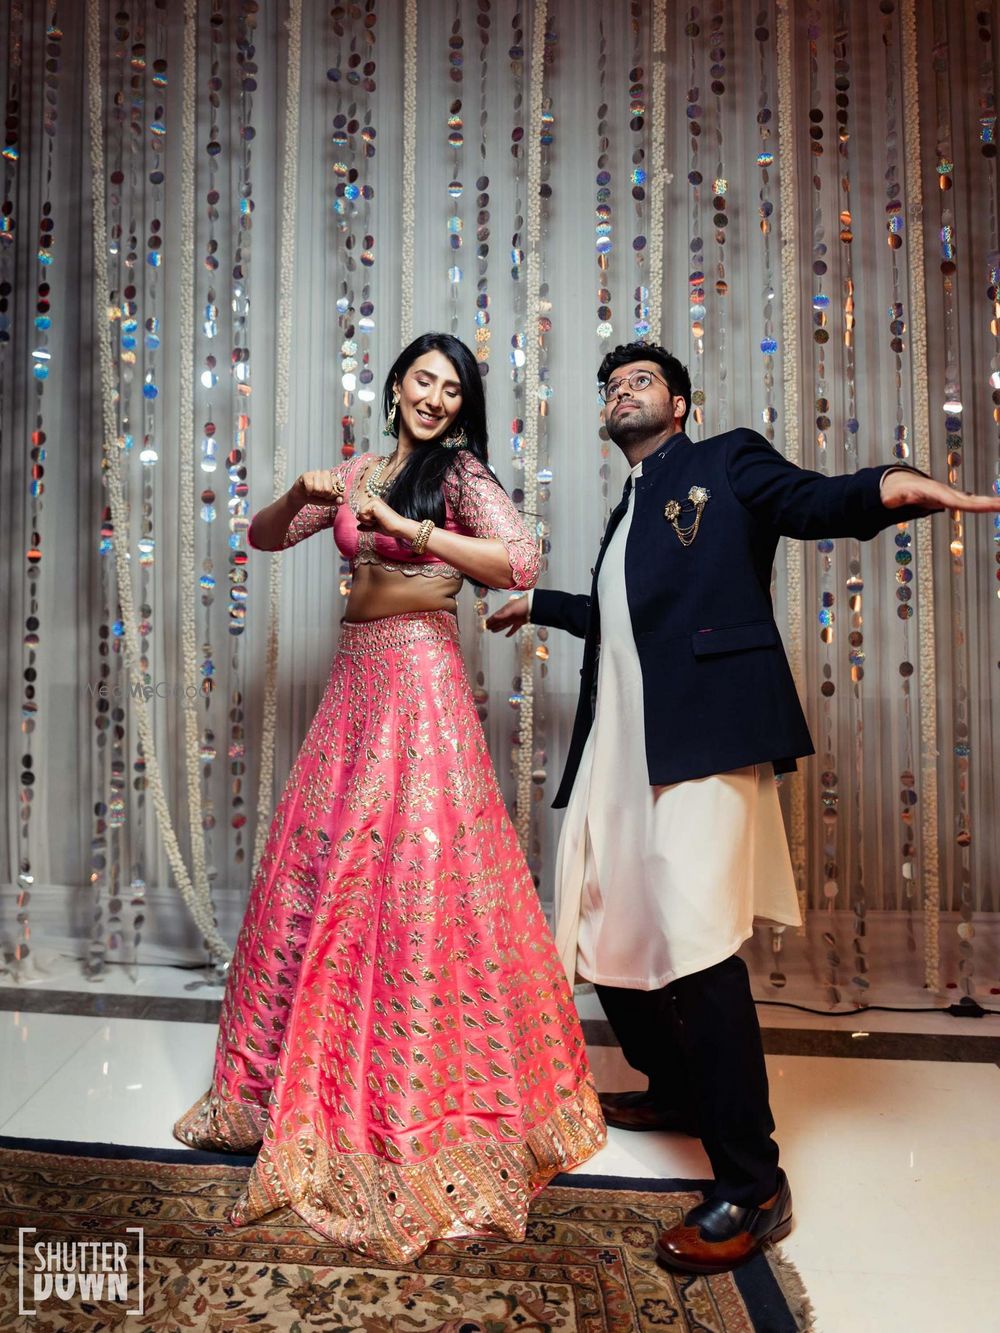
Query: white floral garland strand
{"x":787,"y":140}
{"x":659,"y":178}
{"x":283,"y":355}
{"x":409,"y":200}
{"x":924,"y":536}
{"x":533,"y":214}
{"x":185,"y":319}
{"x":197,"y":903}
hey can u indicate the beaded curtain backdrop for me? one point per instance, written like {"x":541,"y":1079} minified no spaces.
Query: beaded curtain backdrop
{"x":218,"y":224}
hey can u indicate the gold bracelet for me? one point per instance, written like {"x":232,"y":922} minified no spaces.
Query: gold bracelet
{"x":419,"y":543}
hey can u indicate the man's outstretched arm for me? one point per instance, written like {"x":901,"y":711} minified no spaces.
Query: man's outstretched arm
{"x":904,"y":488}
{"x":800,"y":503}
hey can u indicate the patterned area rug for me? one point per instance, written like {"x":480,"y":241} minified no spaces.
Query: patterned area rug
{"x":585,"y":1266}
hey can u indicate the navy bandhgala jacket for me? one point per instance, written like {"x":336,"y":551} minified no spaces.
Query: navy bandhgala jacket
{"x":718,"y":692}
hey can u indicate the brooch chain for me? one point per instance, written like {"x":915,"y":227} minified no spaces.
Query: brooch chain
{"x":699,"y":497}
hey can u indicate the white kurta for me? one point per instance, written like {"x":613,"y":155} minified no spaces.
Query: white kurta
{"x":653,"y":883}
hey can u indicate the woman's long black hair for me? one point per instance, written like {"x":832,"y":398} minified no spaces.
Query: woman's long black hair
{"x":416,"y":490}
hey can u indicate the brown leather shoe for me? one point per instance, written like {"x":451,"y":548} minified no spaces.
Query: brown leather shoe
{"x":638,"y":1110}
{"x":716,"y":1236}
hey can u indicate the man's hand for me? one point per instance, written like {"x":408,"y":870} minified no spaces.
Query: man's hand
{"x":318,"y":488}
{"x":510,"y":617}
{"x":907,"y":487}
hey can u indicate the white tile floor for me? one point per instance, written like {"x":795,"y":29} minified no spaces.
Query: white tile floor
{"x":895,"y":1165}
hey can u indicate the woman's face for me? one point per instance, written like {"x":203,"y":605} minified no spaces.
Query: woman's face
{"x":430,"y":397}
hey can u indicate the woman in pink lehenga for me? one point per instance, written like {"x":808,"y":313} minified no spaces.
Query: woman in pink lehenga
{"x":397,"y":1034}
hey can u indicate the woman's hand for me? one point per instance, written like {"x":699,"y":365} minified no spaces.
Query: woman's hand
{"x":374,"y":515}
{"x":318,"y":488}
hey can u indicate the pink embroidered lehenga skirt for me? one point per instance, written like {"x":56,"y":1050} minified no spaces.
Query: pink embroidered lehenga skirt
{"x":397,"y":1033}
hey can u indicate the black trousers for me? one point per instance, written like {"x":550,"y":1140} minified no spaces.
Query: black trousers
{"x":698,"y":1042}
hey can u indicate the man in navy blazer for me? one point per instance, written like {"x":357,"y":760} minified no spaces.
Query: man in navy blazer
{"x":717,"y":696}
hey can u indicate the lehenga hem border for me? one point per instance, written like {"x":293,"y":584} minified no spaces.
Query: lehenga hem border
{"x":392,"y":1211}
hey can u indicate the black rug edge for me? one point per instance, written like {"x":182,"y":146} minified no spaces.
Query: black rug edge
{"x":196,"y":1156}
{"x":125,"y":1152}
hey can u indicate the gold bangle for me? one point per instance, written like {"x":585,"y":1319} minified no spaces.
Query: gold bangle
{"x":419,"y":543}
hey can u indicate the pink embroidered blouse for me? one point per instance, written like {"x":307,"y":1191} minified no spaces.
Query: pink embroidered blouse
{"x":474,"y":506}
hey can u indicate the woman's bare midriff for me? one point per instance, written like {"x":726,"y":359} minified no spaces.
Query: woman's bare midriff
{"x":378,"y":592}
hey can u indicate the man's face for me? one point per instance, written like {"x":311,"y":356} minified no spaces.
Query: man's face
{"x":632,"y":412}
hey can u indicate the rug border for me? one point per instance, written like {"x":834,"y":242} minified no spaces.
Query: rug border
{"x":773,"y":1286}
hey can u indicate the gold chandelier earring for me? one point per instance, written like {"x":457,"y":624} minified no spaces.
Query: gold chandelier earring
{"x":390,"y":420}
{"x":456,"y":441}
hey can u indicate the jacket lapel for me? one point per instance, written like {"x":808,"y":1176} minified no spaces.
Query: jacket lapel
{"x":614,"y":518}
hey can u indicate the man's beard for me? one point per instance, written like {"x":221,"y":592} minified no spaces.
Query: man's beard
{"x":637,"y":424}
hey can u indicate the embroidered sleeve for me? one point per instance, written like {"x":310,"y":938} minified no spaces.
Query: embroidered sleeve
{"x":313,"y":518}
{"x":309,"y":519}
{"x":485,"y":509}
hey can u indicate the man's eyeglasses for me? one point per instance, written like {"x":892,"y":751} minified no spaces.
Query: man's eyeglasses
{"x":637,"y":381}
